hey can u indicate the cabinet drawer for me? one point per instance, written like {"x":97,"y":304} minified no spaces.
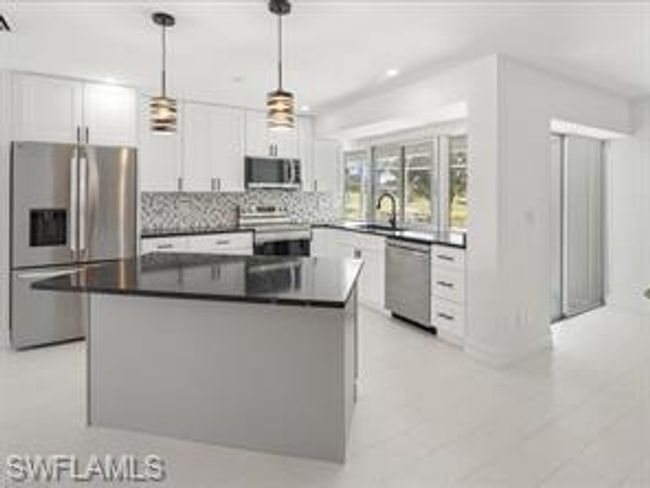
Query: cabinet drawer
{"x":448,"y":284}
{"x":221,"y":242}
{"x":449,"y":257}
{"x":164,"y":244}
{"x":449,"y":319}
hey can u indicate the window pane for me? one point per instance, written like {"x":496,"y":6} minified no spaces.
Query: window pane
{"x":418,"y":169}
{"x":387,"y":177}
{"x":458,"y":182}
{"x":355,"y":188}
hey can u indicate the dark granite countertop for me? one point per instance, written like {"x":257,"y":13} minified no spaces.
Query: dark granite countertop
{"x":451,"y":239}
{"x":197,"y":231}
{"x":318,"y":282}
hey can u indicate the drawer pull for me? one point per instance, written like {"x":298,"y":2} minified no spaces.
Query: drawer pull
{"x":446,"y":284}
{"x":444,"y":257}
{"x":222,"y":243}
{"x":446,"y":316}
{"x":165,"y":246}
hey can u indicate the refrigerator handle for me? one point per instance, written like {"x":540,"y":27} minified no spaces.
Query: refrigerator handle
{"x":83,"y":201}
{"x":74,"y":202}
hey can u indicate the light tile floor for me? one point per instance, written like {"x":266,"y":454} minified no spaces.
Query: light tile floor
{"x":427,"y":416}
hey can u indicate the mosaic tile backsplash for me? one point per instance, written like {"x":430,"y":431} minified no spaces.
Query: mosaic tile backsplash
{"x":175,"y":210}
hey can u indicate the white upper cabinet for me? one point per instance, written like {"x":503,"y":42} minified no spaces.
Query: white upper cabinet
{"x":60,"y":110}
{"x":228,"y":125}
{"x":159,"y":156}
{"x":257,"y":140}
{"x":109,"y":115}
{"x":262,"y":142}
{"x":46,"y":109}
{"x":198,"y":147}
{"x":285,"y":143}
{"x":326,"y":166}
{"x":213,"y":140}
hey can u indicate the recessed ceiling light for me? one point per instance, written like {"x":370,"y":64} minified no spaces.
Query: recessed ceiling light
{"x":392,"y":72}
{"x":110,"y":80}
{"x":305,"y":108}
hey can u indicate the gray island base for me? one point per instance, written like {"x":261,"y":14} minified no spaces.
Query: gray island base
{"x":265,"y":375}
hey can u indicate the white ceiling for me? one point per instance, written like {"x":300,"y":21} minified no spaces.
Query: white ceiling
{"x":225,"y":51}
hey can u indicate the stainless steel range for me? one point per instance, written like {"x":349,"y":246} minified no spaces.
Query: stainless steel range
{"x":275,"y":233}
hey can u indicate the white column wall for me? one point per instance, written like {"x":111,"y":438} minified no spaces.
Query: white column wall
{"x":628,"y":208}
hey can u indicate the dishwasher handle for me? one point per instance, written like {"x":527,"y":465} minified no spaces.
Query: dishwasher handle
{"x":409,"y":246}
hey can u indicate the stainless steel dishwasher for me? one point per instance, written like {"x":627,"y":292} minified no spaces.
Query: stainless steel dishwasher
{"x":408,"y":280}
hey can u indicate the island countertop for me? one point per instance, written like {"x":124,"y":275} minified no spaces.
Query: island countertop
{"x":282,"y":280}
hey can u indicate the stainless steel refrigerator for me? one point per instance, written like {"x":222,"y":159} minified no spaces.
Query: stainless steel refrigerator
{"x":71,"y":207}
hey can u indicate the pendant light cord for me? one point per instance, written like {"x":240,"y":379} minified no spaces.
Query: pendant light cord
{"x":280,"y":52}
{"x":164,"y":62}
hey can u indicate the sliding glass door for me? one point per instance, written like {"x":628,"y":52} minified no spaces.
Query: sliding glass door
{"x":577,"y":225}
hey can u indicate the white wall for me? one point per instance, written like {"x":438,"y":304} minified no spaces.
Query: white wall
{"x":529,"y":100}
{"x":510,"y":108}
{"x":629,"y":207}
{"x":4,"y":206}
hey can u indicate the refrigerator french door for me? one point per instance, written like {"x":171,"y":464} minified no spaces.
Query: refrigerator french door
{"x":71,"y":206}
{"x":577,"y":225}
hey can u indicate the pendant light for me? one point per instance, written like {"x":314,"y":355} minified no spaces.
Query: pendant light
{"x":162,"y":109}
{"x":280,"y":103}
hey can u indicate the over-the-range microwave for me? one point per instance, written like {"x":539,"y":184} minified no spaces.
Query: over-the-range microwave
{"x":278,"y":173}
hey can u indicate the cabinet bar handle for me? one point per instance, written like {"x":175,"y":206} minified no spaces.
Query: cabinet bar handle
{"x":213,"y":184}
{"x":180,"y":184}
{"x":445,"y":316}
{"x":444,"y":257}
{"x":218,"y":184}
{"x":446,"y":284}
{"x":78,"y":134}
{"x":87,"y":135}
{"x":165,"y":246}
{"x":222,"y":243}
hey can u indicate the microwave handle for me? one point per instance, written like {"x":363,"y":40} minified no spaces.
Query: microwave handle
{"x":287,"y":170}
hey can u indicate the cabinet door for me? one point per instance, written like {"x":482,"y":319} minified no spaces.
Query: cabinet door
{"x":164,"y":244}
{"x":109,"y":115}
{"x":198,"y":146}
{"x":225,"y":243}
{"x":326,"y":166}
{"x":228,"y":133}
{"x":46,"y":109}
{"x":159,"y":156}
{"x":285,"y":143}
{"x":257,"y":141}
{"x":320,"y":242}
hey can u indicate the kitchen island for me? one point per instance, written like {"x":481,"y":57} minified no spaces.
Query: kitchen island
{"x":257,"y":352}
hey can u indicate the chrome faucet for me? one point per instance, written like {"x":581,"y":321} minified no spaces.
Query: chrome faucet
{"x":392,"y":220}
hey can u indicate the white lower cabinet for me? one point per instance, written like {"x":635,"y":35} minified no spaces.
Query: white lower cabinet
{"x":164,"y":244}
{"x":345,"y":244}
{"x":448,"y":295}
{"x":231,"y":243}
{"x":221,"y":243}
